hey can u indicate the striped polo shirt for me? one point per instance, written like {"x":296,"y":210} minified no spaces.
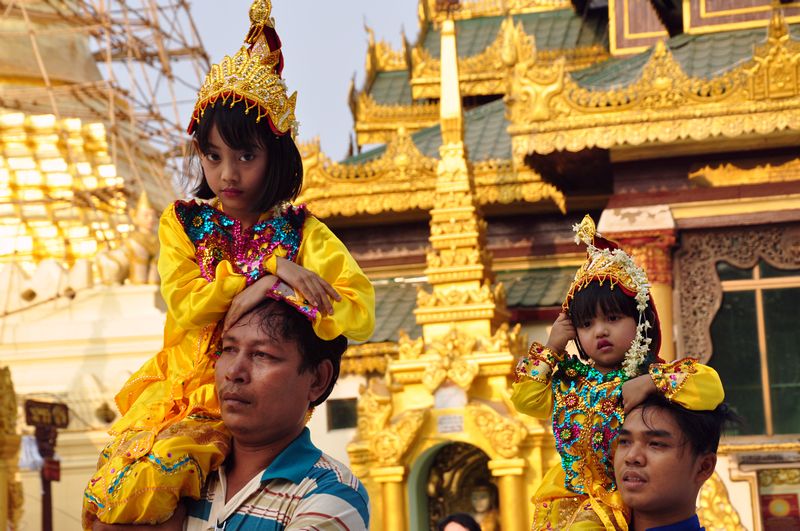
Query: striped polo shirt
{"x":301,"y":489}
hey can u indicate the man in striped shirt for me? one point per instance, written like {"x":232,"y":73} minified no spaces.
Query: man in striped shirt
{"x":272,"y":369}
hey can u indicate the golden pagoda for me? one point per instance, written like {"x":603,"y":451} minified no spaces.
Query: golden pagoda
{"x":480,"y":144}
{"x":83,"y":173}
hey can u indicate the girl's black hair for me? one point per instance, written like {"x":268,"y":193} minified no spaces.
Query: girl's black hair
{"x":584,"y":304}
{"x":238,"y":130}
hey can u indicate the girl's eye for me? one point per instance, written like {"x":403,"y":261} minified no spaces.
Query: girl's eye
{"x":213,"y":157}
{"x":585,"y":324}
{"x":613,"y":318}
{"x":247,"y":157}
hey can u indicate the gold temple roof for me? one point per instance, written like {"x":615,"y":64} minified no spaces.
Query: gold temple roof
{"x":551,"y":109}
{"x":402,"y":86}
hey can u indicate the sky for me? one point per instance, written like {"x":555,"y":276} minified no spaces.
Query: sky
{"x":324,"y":45}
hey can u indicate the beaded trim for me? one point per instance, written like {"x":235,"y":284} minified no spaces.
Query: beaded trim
{"x":670,"y":377}
{"x":217,"y":237}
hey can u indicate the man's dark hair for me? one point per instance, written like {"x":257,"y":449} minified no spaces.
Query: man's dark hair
{"x":279,"y":321}
{"x":701,"y":430}
{"x":583,"y":307}
{"x":284,"y":177}
{"x":463,"y":519}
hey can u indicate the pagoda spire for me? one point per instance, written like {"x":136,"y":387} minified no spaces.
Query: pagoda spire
{"x":458,"y":264}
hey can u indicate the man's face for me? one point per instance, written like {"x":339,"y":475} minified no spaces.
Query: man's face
{"x":262,"y":395}
{"x":657,"y":473}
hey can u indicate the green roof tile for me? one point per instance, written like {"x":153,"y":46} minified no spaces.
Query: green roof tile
{"x":553,"y":30}
{"x":391,"y":88}
{"x":703,"y":56}
{"x":395,"y":301}
{"x":486,"y":136}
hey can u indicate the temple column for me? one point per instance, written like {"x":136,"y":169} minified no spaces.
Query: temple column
{"x":391,"y":479}
{"x":653,"y":251}
{"x":648,"y":234}
{"x":510,"y":474}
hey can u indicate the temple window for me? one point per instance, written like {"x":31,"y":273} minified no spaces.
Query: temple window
{"x":755,"y":335}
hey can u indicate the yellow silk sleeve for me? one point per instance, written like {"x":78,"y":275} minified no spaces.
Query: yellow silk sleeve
{"x":324,"y":254}
{"x":689,"y":383}
{"x":532,"y":393}
{"x":192,"y":301}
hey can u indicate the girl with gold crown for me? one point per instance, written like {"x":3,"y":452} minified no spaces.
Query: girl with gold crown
{"x":218,"y":260}
{"x":609,"y":314}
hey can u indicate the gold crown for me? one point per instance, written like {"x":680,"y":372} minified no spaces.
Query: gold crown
{"x":605,"y":262}
{"x":252,"y":76}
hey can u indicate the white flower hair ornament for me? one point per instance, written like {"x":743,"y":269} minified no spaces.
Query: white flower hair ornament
{"x":606,"y":262}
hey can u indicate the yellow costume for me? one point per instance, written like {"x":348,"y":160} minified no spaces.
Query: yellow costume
{"x":586,"y":405}
{"x":170,"y":435}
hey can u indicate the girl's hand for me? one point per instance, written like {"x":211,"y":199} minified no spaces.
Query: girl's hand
{"x":636,"y":390}
{"x":312,"y":286}
{"x":561,"y":333}
{"x":247,"y":299}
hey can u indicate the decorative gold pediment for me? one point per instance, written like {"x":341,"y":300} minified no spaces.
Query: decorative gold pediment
{"x":390,"y":444}
{"x":448,"y":359}
{"x":485,"y":73}
{"x":503,"y":433}
{"x":381,"y":57}
{"x":549,"y":111}
{"x":403,"y":179}
{"x":715,"y":509}
{"x":377,"y":124}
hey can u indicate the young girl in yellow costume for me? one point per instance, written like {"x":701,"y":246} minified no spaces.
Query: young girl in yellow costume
{"x":217,"y":261}
{"x":610,"y":315}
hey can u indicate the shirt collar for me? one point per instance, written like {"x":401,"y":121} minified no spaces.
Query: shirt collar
{"x":690,"y":524}
{"x":294,"y":462}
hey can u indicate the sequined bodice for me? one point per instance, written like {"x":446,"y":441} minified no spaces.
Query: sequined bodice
{"x":217,"y":237}
{"x":587,"y":415}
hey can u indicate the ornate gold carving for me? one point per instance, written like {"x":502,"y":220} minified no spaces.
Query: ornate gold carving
{"x":461,"y":297}
{"x":652,"y":250}
{"x":378,"y":124}
{"x":382,"y":58}
{"x":455,"y":472}
{"x":776,"y":64}
{"x":387,"y":438}
{"x":484,"y":73}
{"x":447,"y":359}
{"x":715,"y":510}
{"x":390,"y":444}
{"x":772,"y":477}
{"x":8,"y":403}
{"x":409,"y":349}
{"x":503,"y":433}
{"x":374,"y":409}
{"x":402,"y":180}
{"x":663,"y":105}
{"x":728,"y":174}
{"x":507,"y":339}
{"x":488,"y":8}
{"x":700,"y":289}
{"x":368,"y":358}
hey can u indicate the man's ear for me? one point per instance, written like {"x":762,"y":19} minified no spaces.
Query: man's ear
{"x":322,"y":379}
{"x":705,"y":467}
